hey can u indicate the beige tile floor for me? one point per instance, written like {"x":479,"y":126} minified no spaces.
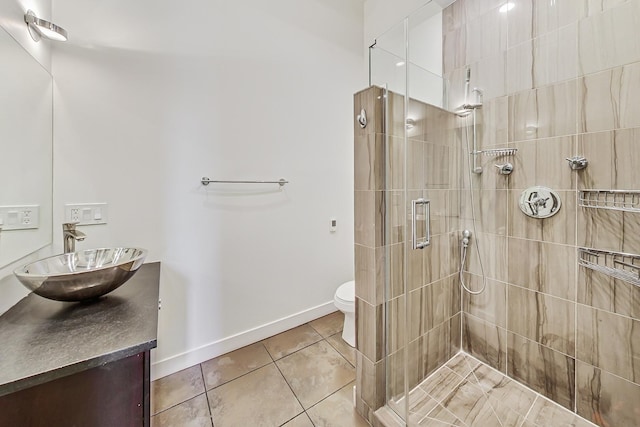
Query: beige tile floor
{"x":466,"y":392}
{"x":303,"y":377}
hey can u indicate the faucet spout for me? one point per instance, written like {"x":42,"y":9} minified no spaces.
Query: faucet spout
{"x":70,"y":235}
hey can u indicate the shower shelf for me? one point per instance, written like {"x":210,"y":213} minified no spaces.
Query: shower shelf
{"x":620,"y":200}
{"x":498,"y":152}
{"x":615,"y":264}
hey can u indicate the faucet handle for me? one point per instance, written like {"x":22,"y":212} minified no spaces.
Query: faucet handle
{"x":577,"y":162}
{"x":505,"y":169}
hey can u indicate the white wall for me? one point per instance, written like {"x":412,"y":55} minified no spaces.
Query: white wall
{"x":381,"y":15}
{"x":154,"y":95}
{"x":12,"y":20}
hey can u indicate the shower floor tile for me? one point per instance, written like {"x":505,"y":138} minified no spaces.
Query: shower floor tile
{"x":466,"y":392}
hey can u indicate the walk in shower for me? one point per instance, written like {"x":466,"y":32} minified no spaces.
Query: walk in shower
{"x":472,"y":112}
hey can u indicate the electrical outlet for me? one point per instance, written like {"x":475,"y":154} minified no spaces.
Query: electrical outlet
{"x":74,"y":215}
{"x":86,"y":213}
{"x":24,"y":217}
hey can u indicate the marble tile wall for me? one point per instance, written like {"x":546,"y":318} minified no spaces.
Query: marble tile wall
{"x":560,"y":78}
{"x":414,"y":323}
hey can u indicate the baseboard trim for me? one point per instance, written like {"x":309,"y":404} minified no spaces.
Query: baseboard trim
{"x":170,"y":365}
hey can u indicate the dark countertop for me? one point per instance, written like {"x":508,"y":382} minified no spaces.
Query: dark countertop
{"x":42,"y":340}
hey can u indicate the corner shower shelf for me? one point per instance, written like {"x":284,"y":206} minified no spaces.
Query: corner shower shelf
{"x":615,"y":264}
{"x":619,"y":200}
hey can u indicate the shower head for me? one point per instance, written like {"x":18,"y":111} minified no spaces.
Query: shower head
{"x":466,"y":109}
{"x":461,"y":111}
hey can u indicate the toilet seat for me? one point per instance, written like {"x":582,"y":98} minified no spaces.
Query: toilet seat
{"x":345,"y":297}
{"x":345,"y":300}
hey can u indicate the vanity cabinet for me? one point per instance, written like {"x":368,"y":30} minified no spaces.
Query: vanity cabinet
{"x":80,"y":364}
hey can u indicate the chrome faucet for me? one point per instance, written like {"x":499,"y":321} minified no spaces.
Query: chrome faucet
{"x":70,"y":235}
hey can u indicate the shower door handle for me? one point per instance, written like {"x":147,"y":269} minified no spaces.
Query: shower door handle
{"x":427,"y":220}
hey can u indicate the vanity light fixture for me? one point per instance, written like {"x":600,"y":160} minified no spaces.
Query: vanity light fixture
{"x":39,"y":28}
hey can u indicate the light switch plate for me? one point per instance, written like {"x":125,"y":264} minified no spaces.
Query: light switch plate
{"x":24,"y":217}
{"x":86,"y":213}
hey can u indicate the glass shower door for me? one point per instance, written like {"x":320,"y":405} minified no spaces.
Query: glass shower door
{"x":418,"y":136}
{"x":387,"y":59}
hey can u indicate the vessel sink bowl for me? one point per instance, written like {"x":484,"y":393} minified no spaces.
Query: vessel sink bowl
{"x":82,"y":275}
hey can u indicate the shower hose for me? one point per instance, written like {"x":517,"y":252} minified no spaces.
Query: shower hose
{"x":466,"y":233}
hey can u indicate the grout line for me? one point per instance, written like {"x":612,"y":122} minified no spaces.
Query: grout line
{"x":625,"y":316}
{"x":295,"y":351}
{"x":180,"y":403}
{"x":486,"y":396}
{"x":304,"y":411}
{"x":427,"y":417}
{"x":296,"y":416}
{"x":520,"y":335}
{"x":206,"y":396}
{"x":235,"y":378}
{"x":339,"y":352}
{"x":453,"y":387}
{"x":536,"y":393}
{"x":526,"y":417}
{"x":440,"y":421}
{"x":205,"y":392}
{"x":273,"y":361}
{"x":290,"y":388}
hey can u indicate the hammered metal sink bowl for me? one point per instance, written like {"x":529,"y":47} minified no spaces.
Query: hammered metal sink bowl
{"x":82,"y":275}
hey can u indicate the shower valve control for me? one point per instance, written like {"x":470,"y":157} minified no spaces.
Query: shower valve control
{"x":539,"y":202}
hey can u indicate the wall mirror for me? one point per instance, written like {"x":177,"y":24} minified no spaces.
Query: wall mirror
{"x":26,"y":161}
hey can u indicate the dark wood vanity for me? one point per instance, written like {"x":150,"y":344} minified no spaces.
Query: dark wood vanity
{"x":80,"y":364}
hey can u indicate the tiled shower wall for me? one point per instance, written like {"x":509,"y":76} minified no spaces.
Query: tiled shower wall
{"x":560,"y":78}
{"x":382,"y":228}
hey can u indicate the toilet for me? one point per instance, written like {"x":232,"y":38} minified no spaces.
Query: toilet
{"x":345,"y":301}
